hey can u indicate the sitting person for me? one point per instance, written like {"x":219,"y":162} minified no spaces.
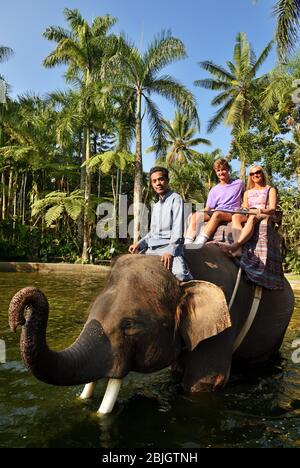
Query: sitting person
{"x":166,"y":234}
{"x":260,"y":199}
{"x":226,"y":195}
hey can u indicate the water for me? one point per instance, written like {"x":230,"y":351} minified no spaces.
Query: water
{"x":258,"y":409}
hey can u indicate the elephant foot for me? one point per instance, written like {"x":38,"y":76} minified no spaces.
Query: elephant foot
{"x":207,"y":384}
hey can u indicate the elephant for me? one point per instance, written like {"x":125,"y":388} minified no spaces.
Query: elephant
{"x":145,"y":320}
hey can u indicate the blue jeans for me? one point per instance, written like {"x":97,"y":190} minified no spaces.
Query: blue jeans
{"x":179,"y":268}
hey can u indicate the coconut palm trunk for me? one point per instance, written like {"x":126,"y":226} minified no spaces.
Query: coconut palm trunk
{"x":138,"y":179}
{"x":141,"y":80}
{"x":9,"y":194}
{"x":298,"y":176}
{"x":87,"y":197}
{"x":3,"y":196}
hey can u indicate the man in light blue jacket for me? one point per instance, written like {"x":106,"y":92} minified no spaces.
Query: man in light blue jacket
{"x":166,"y":233}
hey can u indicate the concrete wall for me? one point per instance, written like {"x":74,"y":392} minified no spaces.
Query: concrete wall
{"x":27,"y":267}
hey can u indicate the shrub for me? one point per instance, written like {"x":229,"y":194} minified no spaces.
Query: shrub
{"x":290,"y":205}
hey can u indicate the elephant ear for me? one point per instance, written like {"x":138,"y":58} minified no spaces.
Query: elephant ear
{"x":203,"y":312}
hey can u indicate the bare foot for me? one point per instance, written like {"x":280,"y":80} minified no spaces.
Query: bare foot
{"x":237,"y":253}
{"x":225,"y":247}
{"x":232,"y":250}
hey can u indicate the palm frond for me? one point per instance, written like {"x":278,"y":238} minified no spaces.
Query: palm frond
{"x":53,"y":214}
{"x":262,"y":58}
{"x":231,"y":67}
{"x":5,"y":53}
{"x":219,"y":116}
{"x":287,"y":28}
{"x":216,"y":70}
{"x":56,"y":33}
{"x":198,"y":141}
{"x":220,"y":98}
{"x":237,"y":53}
{"x":245,"y":54}
{"x":174,"y":91}
{"x":74,"y":18}
{"x":214,"y":85}
{"x":163,"y":51}
{"x":236,"y":115}
{"x":156,"y":124}
{"x":74,"y":208}
{"x":102,"y":24}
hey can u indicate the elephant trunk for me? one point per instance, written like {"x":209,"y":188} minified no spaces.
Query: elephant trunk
{"x":79,"y":364}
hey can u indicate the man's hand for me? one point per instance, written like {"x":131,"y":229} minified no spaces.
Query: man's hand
{"x":167,"y":260}
{"x":134,"y":248}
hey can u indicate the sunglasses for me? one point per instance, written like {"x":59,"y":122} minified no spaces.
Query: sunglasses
{"x":255,"y":173}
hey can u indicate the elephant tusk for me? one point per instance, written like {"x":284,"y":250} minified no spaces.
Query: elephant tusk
{"x":88,"y":391}
{"x":110,"y":397}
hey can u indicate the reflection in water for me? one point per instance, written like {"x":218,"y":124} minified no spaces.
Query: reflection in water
{"x":258,"y":408}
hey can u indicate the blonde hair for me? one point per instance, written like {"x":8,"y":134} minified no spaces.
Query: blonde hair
{"x":221,"y":162}
{"x":250,"y":183}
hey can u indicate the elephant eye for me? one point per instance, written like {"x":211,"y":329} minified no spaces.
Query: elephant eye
{"x":130,"y":327}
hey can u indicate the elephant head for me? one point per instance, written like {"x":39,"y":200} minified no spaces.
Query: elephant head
{"x":141,"y":321}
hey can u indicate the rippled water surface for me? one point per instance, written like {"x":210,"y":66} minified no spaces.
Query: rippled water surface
{"x":258,"y":409}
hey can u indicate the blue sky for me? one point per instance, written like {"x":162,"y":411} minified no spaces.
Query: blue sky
{"x":207,"y":27}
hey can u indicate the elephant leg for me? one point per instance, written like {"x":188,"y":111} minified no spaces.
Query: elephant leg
{"x":207,"y":368}
{"x":88,"y":391}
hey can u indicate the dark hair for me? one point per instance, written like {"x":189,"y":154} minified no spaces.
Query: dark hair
{"x":164,"y":171}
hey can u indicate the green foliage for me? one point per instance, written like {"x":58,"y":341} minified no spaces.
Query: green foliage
{"x":56,"y":203}
{"x":140,"y":78}
{"x":43,"y":142}
{"x":178,"y":140}
{"x":108,"y":249}
{"x":58,"y":247}
{"x":18,"y":241}
{"x":287,"y":27}
{"x":194,"y":180}
{"x":290,"y":204}
{"x":238,"y":86}
{"x":110,"y":159}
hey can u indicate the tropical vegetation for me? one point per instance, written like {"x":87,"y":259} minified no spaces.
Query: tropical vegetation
{"x":63,"y":154}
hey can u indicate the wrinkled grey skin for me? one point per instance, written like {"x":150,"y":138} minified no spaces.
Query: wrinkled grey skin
{"x":132,"y":326}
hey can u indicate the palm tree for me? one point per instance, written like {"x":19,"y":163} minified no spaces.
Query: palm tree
{"x":240,"y":89}
{"x":206,"y":164}
{"x":29,"y":149}
{"x":86,"y":50}
{"x":281,"y":86}
{"x":194,"y":180}
{"x":179,"y":141}
{"x":5,"y":53}
{"x":141,"y":79}
{"x":295,"y":155}
{"x":113,"y":162}
{"x":287,"y":27}
{"x":186,"y":180}
{"x":286,"y":30}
